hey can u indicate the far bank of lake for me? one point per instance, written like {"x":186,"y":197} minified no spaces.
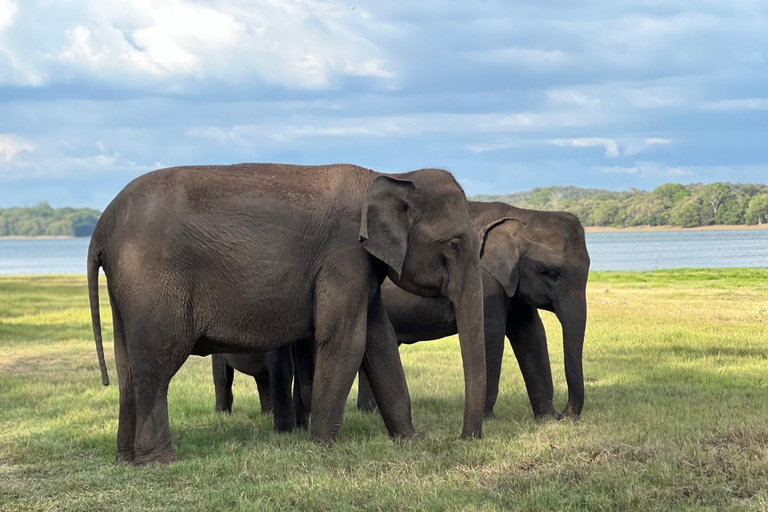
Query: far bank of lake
{"x":626,"y":249}
{"x":715,"y":227}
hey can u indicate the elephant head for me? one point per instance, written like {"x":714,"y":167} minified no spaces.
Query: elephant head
{"x":418,"y":224}
{"x":541,"y":258}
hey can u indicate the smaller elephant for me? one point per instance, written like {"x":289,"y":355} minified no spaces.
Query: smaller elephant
{"x":532,"y":260}
{"x":273,"y":372}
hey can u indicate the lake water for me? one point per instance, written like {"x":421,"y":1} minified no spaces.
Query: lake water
{"x":609,"y":251}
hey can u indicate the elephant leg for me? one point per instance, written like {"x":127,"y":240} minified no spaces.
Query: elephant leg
{"x":152,"y":366}
{"x":385,"y":373}
{"x":280,"y":381}
{"x":365,"y":400}
{"x":126,"y":426}
{"x":304,"y":361}
{"x":223,"y":377}
{"x":340,"y":337}
{"x":495,"y":329}
{"x":264,"y":388}
{"x":302,"y":413}
{"x":529,"y":341}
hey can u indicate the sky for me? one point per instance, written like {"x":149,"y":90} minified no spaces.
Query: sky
{"x":507,"y":95}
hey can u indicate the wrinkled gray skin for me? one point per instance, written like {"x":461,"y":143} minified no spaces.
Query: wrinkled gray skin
{"x":252,"y":257}
{"x":531,"y":260}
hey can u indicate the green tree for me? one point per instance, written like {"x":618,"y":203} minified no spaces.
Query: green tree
{"x":42,"y":219}
{"x":605,"y":214}
{"x":714,"y":196}
{"x":59,"y":228}
{"x":687,"y":214}
{"x":671,"y":193}
{"x":757,"y":212}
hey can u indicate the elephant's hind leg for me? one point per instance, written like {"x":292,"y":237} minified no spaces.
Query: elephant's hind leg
{"x":223,"y":377}
{"x":529,"y":341}
{"x":126,"y":426}
{"x":158,"y":355}
{"x":365,"y":399}
{"x":264,"y":390}
{"x":385,"y":373}
{"x":280,"y":381}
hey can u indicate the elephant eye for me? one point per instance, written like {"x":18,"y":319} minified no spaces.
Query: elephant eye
{"x":456,"y":245}
{"x":551,"y":273}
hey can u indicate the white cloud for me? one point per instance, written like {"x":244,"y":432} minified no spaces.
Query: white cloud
{"x":650,"y":169}
{"x":740,"y":105}
{"x":11,"y":145}
{"x":8,"y":10}
{"x":293,"y":43}
{"x":653,"y":98}
{"x":482,"y":148}
{"x":635,"y":146}
{"x":571,"y":97}
{"x":613,"y":147}
{"x":534,"y":57}
{"x":393,"y":126}
{"x":656,"y":141}
{"x":610,"y":145}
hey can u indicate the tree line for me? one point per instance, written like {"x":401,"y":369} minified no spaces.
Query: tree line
{"x":672,"y":204}
{"x":44,"y":220}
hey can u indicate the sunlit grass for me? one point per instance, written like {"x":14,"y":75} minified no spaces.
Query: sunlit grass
{"x":676,"y":417}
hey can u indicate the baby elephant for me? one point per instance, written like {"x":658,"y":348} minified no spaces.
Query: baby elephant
{"x":273,"y":372}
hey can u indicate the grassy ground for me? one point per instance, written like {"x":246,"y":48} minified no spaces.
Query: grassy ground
{"x":676,"y":417}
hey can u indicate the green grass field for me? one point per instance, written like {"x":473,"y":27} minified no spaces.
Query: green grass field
{"x":676,"y":417}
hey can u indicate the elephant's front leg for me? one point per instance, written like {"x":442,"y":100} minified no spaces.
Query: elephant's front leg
{"x":529,"y":341}
{"x":340,"y":324}
{"x":385,"y":372}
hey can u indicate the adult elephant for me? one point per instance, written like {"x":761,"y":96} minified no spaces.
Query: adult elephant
{"x":531,"y":260}
{"x":251,"y":257}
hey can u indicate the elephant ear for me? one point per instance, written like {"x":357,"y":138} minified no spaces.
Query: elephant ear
{"x":385,"y":221}
{"x":500,"y":252}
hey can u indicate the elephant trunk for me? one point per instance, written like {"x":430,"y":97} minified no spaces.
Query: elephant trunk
{"x":468,"y":305}
{"x":572,"y":314}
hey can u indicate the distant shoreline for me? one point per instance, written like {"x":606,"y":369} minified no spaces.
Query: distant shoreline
{"x":716,"y":227}
{"x":39,"y":237}
{"x":588,"y":229}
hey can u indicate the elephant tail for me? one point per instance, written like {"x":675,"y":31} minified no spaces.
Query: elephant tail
{"x":94,"y":263}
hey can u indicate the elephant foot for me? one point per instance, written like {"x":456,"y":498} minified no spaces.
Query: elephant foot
{"x":406,"y":436}
{"x":224,"y":409}
{"x":547,"y":414}
{"x":490,"y":415}
{"x":469,"y":436}
{"x":165,"y":455}
{"x":567,"y":415}
{"x":367,"y":407}
{"x":125,"y":457}
{"x":324,"y":440}
{"x":284,"y":428}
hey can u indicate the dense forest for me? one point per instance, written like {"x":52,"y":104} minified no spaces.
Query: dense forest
{"x":44,"y":220}
{"x":671,"y":204}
